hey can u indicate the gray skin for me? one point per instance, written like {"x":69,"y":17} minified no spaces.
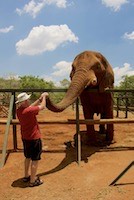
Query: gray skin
{"x":90,"y":70}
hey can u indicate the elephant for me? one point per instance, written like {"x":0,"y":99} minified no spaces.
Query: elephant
{"x":90,"y":70}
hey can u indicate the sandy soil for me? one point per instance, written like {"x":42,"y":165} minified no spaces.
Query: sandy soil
{"x":63,"y":178}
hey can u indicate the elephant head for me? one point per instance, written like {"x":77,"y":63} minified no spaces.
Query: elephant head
{"x":89,"y":69}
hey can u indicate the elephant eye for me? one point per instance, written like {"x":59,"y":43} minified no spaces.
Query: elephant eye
{"x":72,"y":72}
{"x":98,"y":66}
{"x":73,"y":69}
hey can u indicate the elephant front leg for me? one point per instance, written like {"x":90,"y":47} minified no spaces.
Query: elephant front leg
{"x":102,"y":129}
{"x":110,"y":128}
{"x":90,"y":137}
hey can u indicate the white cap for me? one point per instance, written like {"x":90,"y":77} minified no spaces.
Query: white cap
{"x":22,"y":97}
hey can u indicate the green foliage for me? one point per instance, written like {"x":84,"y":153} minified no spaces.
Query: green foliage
{"x":26,"y":82}
{"x":32,"y":82}
{"x":127,"y":83}
{"x":35,"y":83}
{"x":126,"y":97}
{"x":57,"y":96}
{"x":10,"y":83}
{"x":65,"y":83}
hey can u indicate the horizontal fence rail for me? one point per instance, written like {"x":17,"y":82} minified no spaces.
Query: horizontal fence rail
{"x":60,"y":90}
{"x":123,"y":108}
{"x":73,"y":121}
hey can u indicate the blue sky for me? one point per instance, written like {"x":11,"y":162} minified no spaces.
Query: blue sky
{"x":42,"y":37}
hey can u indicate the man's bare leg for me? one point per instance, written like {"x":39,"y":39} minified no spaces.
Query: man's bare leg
{"x":27,"y":165}
{"x":34,"y":166}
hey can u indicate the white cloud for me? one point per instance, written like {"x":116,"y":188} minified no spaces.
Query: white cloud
{"x":62,"y":69}
{"x":51,"y":78}
{"x":114,"y":4}
{"x":45,"y":38}
{"x":7,"y":29}
{"x":35,"y":6}
{"x":47,"y":78}
{"x":129,"y":36}
{"x":122,"y":71}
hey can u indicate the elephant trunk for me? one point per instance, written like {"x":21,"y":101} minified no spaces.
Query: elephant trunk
{"x":78,"y":83}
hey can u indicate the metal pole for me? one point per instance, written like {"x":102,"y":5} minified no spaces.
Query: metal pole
{"x":7,"y":133}
{"x":126,"y":115}
{"x":78,"y":132}
{"x":117,"y":107}
{"x":14,"y":126}
{"x":122,"y":173}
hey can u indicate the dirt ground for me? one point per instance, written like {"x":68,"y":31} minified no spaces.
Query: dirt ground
{"x":63,"y":178}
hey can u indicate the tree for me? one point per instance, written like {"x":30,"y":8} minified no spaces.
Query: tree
{"x":127,"y":83}
{"x":58,"y":96}
{"x":33,"y":82}
{"x":65,"y":83}
{"x":10,"y":83}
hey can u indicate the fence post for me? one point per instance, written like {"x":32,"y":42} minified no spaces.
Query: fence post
{"x":126,"y":102}
{"x":14,"y":126}
{"x":7,"y":132}
{"x":117,"y":107}
{"x":78,"y":132}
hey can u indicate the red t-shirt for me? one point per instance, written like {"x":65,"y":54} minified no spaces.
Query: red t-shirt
{"x":28,"y":122}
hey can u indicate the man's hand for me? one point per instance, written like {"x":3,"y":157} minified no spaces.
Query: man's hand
{"x":45,"y":94}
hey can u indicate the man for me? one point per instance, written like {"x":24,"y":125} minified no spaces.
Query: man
{"x":30,"y":133}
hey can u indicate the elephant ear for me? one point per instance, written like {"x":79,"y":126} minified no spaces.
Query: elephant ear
{"x":72,"y":72}
{"x":107,"y":80}
{"x":77,"y":62}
